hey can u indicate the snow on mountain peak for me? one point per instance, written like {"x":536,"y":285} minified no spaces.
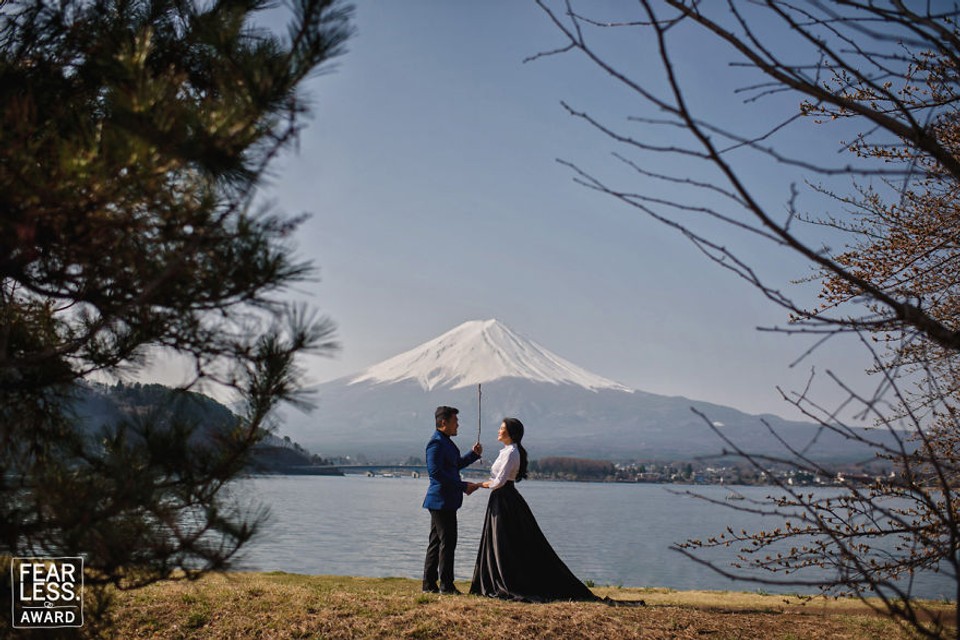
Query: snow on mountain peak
{"x":481,"y":351}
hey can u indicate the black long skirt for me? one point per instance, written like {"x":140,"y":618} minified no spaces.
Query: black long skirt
{"x":515,"y":561}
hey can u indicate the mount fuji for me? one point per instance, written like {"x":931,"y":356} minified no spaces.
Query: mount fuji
{"x":387,"y":409}
{"x":480,"y":352}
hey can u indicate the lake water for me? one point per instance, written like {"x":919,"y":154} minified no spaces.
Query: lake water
{"x":618,"y":534}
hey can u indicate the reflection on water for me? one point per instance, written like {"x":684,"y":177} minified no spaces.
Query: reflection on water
{"x":616,"y":534}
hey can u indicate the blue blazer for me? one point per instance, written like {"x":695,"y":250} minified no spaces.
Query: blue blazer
{"x":443,"y":464}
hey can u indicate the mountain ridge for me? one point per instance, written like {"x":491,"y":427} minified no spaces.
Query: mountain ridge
{"x":387,"y":409}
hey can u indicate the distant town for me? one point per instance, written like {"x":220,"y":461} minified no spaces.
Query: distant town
{"x":654,"y":472}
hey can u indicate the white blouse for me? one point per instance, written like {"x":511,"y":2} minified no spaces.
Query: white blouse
{"x":505,"y":467}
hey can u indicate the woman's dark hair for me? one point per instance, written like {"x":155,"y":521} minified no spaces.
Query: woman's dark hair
{"x":515,"y":429}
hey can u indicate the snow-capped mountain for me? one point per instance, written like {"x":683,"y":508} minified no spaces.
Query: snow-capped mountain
{"x":481,"y":351}
{"x":386,"y":411}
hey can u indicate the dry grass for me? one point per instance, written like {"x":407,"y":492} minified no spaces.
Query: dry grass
{"x":278,"y":605}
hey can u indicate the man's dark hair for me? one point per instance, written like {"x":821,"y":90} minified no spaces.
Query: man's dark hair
{"x":444,"y":413}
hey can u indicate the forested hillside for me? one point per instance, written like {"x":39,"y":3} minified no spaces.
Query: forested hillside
{"x":130,"y":408}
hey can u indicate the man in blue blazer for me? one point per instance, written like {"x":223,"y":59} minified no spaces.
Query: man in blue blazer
{"x":444,"y":497}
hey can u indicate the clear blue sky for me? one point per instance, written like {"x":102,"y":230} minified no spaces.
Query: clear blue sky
{"x":430,"y":169}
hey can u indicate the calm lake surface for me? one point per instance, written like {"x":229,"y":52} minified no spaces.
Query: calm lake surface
{"x":616,"y":534}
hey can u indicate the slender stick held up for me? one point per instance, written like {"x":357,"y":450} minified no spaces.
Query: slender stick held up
{"x":479,"y":405}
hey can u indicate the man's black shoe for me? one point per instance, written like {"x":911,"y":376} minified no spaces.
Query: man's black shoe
{"x":430,"y":588}
{"x":450,"y":591}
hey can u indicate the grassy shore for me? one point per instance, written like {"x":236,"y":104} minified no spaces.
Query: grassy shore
{"x":280,"y":605}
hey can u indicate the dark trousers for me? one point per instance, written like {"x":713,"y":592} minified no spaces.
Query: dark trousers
{"x":440,"y":548}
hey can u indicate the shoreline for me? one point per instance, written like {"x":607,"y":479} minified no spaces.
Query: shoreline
{"x":407,"y":472}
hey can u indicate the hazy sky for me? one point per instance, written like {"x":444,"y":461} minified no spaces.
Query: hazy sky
{"x":430,"y":169}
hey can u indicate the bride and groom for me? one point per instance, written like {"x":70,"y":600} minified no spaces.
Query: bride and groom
{"x":514,"y":560}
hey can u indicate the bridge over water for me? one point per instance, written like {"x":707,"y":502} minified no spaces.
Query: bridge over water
{"x":388,"y":470}
{"x":401,"y":470}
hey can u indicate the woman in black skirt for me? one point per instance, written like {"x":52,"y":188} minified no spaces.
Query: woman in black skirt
{"x":515,"y":560}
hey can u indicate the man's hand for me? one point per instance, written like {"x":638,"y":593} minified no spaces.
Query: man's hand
{"x":478,"y":449}
{"x":471,"y":487}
